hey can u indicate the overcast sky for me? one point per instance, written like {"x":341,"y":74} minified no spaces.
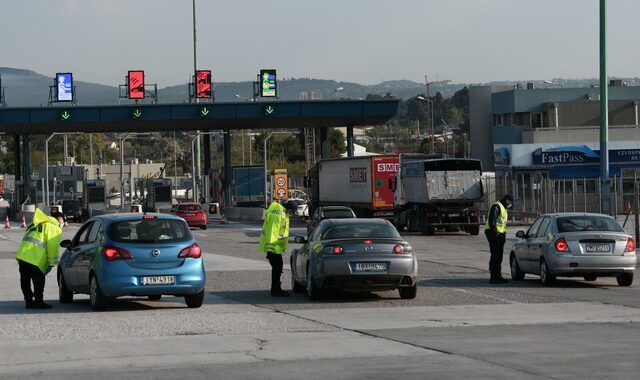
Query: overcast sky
{"x":362,"y":41}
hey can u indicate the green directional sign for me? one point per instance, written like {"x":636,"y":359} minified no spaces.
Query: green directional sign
{"x":269,"y":110}
{"x":65,"y":115}
{"x":205,"y":111}
{"x":136,"y":114}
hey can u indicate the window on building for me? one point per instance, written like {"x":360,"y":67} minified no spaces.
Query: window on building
{"x":536,"y":120}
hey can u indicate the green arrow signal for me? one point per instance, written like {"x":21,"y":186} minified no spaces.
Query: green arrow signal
{"x":137,"y":113}
{"x":204,"y":111}
{"x":269,"y":110}
{"x":65,"y":115}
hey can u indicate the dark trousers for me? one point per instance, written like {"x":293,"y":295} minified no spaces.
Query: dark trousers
{"x":276,"y":269}
{"x":496,"y":246}
{"x":31,"y":273}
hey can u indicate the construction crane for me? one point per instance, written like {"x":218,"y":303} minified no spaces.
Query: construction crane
{"x":428,"y":84}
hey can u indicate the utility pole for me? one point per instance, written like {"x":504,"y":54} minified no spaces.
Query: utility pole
{"x":604,"y":112}
{"x":430,"y":109}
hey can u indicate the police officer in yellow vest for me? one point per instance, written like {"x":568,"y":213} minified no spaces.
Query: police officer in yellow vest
{"x":37,"y":254}
{"x":274,"y":239}
{"x":496,"y":231}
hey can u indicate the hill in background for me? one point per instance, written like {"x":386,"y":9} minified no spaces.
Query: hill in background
{"x":28,"y":88}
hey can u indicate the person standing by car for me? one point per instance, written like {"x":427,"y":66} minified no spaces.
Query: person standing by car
{"x":274,"y":239}
{"x":496,"y":231}
{"x":37,"y":254}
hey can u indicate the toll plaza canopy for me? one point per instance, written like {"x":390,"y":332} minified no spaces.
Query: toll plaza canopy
{"x":195,"y":116}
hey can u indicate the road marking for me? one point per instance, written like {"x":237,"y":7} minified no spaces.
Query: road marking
{"x":471,"y":315}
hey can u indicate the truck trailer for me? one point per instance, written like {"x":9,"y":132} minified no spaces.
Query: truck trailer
{"x":363,"y":183}
{"x":438,"y":194}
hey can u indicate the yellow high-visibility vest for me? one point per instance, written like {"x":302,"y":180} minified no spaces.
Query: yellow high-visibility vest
{"x":501,"y":222}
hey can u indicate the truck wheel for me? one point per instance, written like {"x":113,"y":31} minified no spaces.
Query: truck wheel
{"x":473,"y":230}
{"x":427,"y":228}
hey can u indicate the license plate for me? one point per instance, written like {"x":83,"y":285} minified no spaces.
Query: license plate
{"x":189,"y":214}
{"x":454,"y":215}
{"x":597,"y":248}
{"x":369,"y":267}
{"x":158,"y":280}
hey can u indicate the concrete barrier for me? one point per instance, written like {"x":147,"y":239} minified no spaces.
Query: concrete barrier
{"x":245,"y":214}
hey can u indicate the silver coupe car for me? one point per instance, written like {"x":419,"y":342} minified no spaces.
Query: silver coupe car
{"x":574,"y":245}
{"x":354,"y":254}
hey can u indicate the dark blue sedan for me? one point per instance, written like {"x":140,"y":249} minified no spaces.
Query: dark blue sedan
{"x":129,"y":254}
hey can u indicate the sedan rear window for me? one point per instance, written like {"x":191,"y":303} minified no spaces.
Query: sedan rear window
{"x":587,"y":223}
{"x":338,"y":214}
{"x":361,"y":231}
{"x":149,"y":231}
{"x":189,"y":208}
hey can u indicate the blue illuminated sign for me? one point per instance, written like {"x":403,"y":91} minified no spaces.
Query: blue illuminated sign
{"x":64,"y":87}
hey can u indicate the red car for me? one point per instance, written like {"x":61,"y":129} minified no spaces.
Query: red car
{"x":193,"y":214}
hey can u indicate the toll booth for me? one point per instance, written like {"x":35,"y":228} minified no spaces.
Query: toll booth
{"x":159,"y":195}
{"x":94,"y":196}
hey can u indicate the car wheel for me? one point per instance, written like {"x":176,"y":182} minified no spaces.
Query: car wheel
{"x":473,"y":230}
{"x":97,"y":300}
{"x":295,"y":286}
{"x":408,"y":293}
{"x":194,"y":300}
{"x":546,"y":277}
{"x":155,"y":297}
{"x":64,"y":294}
{"x":313,"y":291}
{"x":516,"y":273}
{"x":590,"y":277}
{"x":203,"y":227}
{"x":625,"y":279}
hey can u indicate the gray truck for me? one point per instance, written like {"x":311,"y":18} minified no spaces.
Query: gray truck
{"x":438,"y":194}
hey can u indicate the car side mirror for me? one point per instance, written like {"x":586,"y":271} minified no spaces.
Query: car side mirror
{"x":300,"y":240}
{"x":65,"y":243}
{"x":521,"y":235}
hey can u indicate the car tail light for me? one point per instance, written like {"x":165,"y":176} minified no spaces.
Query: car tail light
{"x":194,"y":251}
{"x":631,"y":246}
{"x":400,"y":248}
{"x":561,"y":245}
{"x":368,"y":242}
{"x":332,"y":250}
{"x":113,"y":253}
{"x":149,"y":217}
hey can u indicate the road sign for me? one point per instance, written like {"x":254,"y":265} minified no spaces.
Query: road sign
{"x":136,"y":114}
{"x":203,"y":84}
{"x":205,"y":111}
{"x":281,"y":182}
{"x":268,"y":84}
{"x":269,"y":110}
{"x":64,"y":87}
{"x":136,"y":84}
{"x":65,"y":115}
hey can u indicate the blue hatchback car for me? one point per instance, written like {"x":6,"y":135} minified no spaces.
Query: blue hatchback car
{"x":132,"y":254}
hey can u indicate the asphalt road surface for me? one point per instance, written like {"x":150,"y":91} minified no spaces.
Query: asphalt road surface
{"x":459,"y":325}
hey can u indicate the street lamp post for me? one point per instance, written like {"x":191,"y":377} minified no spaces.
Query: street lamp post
{"x":265,"y":168}
{"x":46,"y":163}
{"x":122,"y":139}
{"x":430,"y":108}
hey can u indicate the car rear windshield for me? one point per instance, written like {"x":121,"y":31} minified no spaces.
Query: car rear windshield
{"x":189,"y":207}
{"x":370,"y":231}
{"x":587,"y":223}
{"x":149,"y":231}
{"x":337,"y":214}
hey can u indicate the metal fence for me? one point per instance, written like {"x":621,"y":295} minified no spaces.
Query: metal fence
{"x":536,"y":195}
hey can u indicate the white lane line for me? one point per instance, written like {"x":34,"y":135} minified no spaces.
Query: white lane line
{"x":471,"y":315}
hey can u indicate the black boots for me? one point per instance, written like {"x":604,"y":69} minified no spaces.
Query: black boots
{"x":276,"y":290}
{"x":498,"y":279}
{"x":40,"y":305}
